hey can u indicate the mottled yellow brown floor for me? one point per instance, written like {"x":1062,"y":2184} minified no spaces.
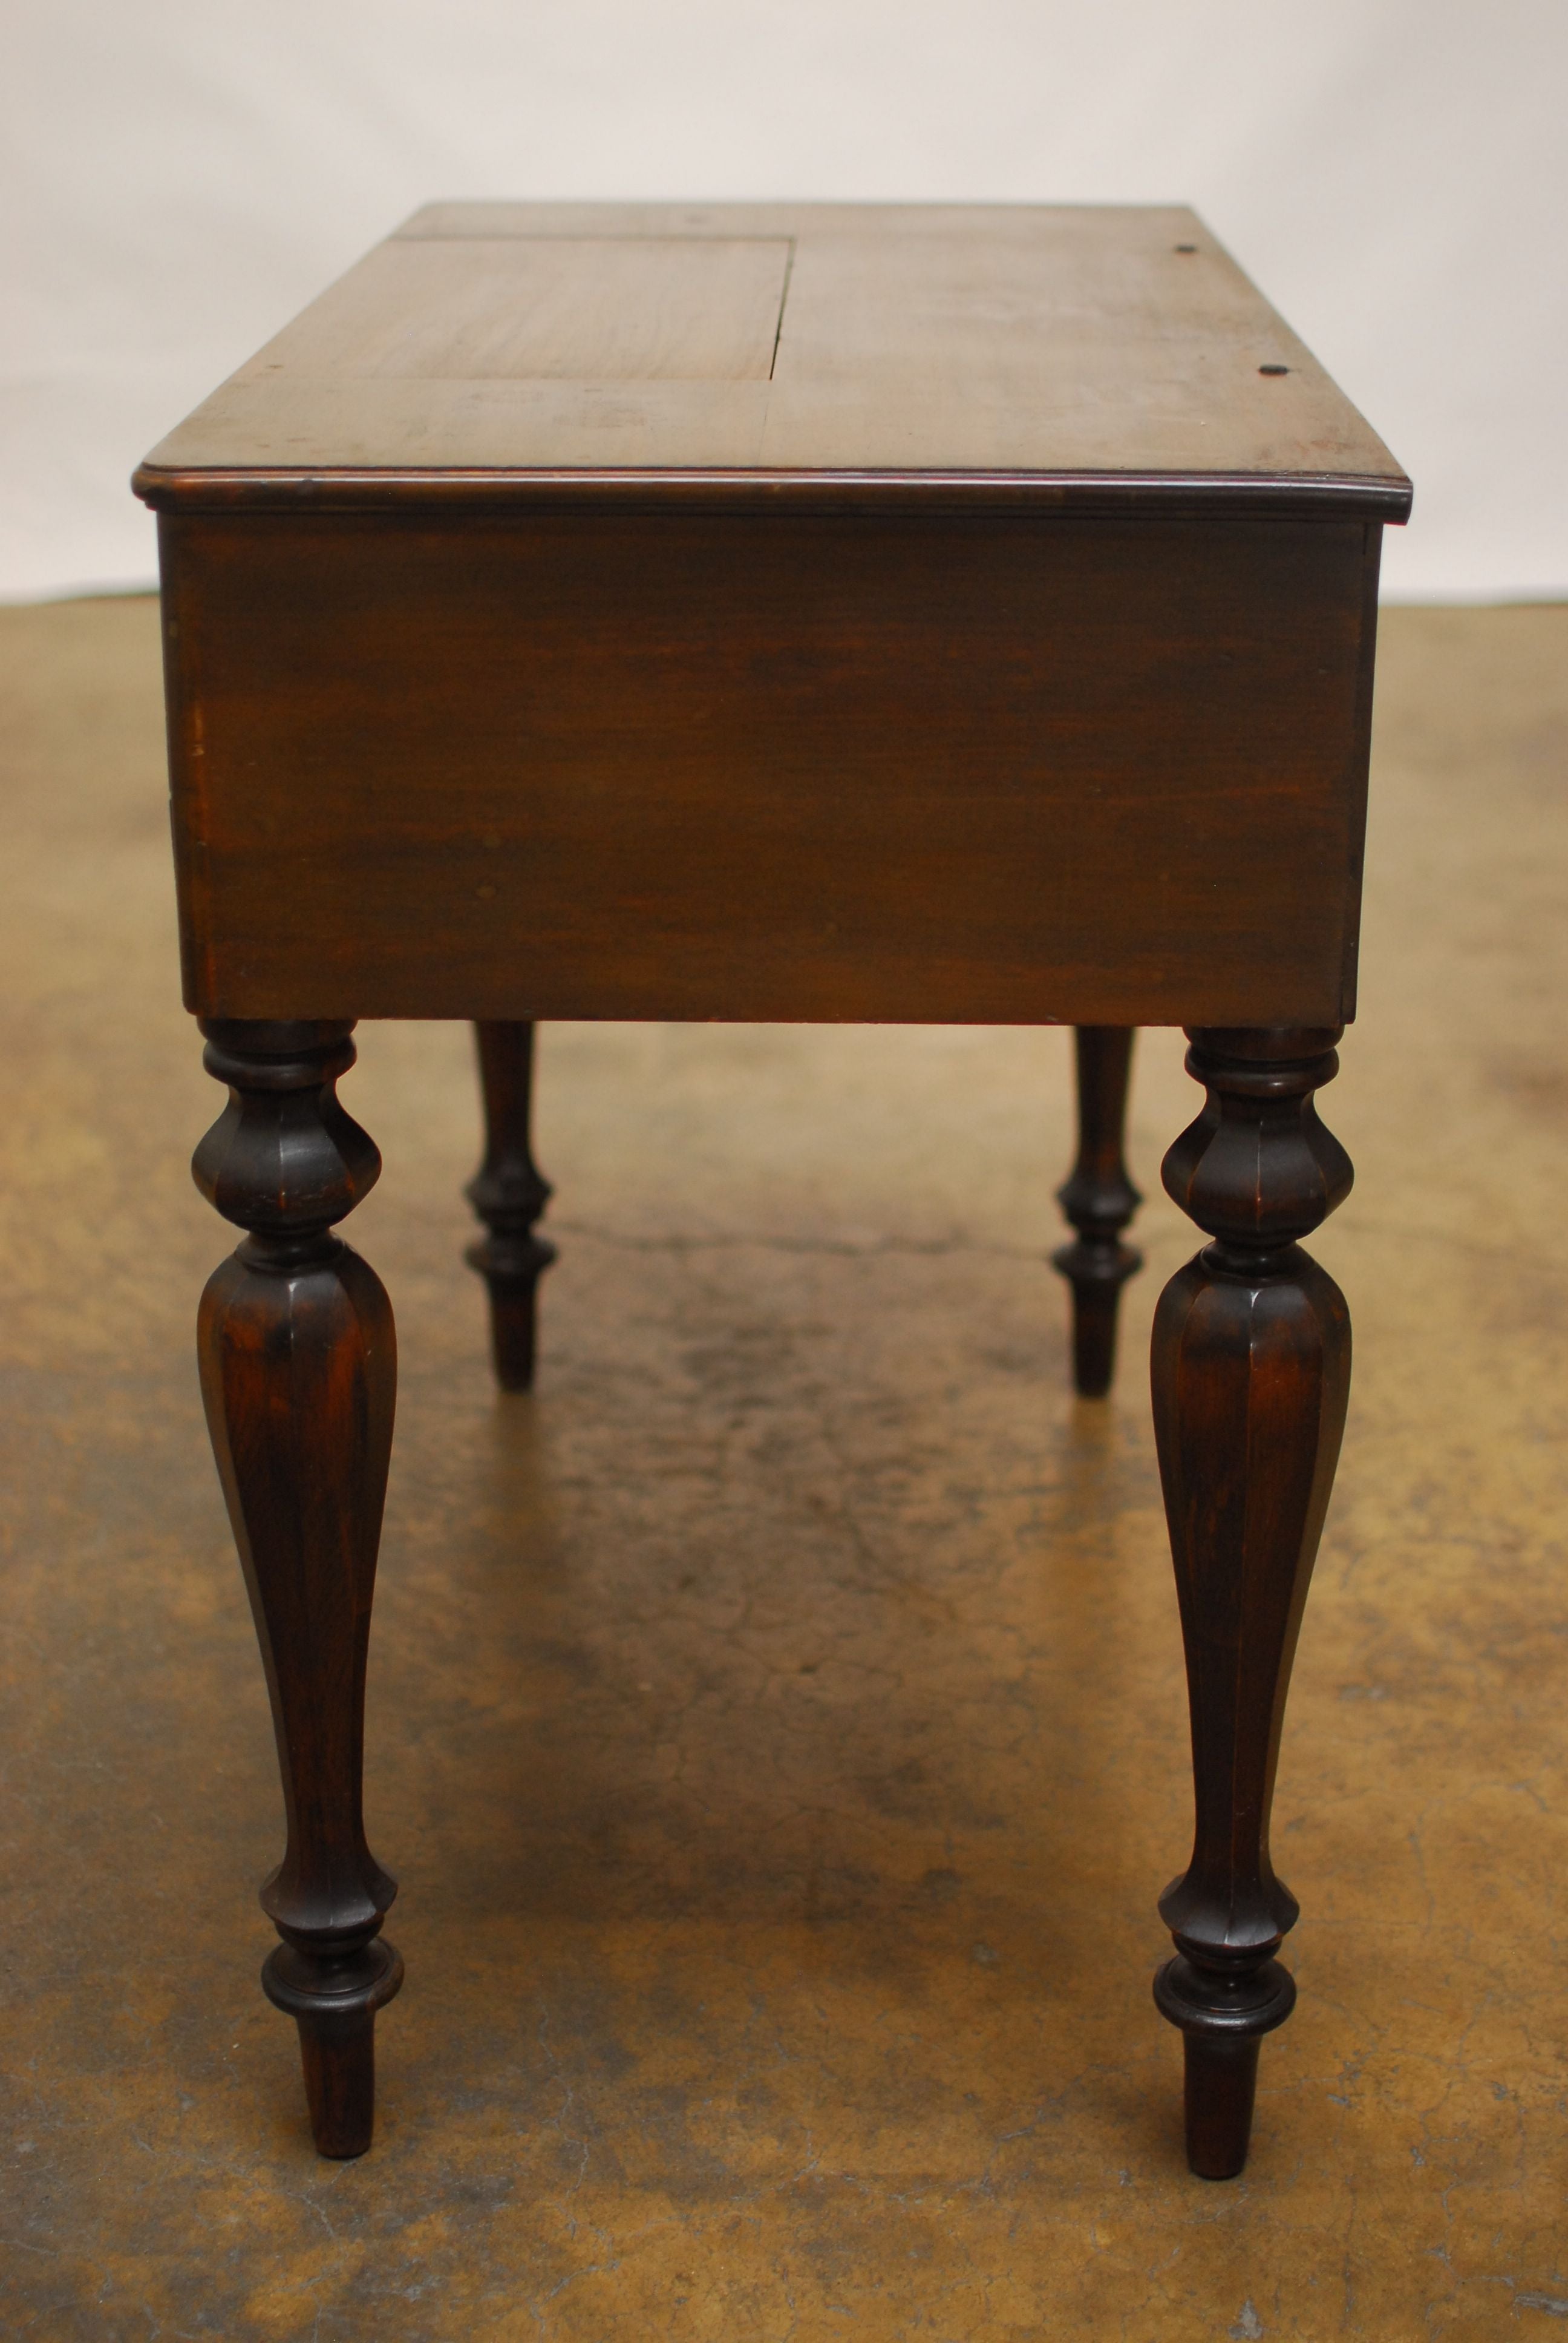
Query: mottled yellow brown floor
{"x":776,"y":1723}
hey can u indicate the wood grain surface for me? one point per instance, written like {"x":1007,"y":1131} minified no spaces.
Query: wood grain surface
{"x":589,"y":765}
{"x":1031,"y":351}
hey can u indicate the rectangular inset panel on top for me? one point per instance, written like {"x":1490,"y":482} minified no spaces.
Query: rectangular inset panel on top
{"x":545,"y":308}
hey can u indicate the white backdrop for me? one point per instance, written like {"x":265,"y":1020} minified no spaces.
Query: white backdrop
{"x":178,"y":176}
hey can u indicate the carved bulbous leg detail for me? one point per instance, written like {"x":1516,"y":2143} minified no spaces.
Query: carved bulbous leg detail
{"x":1251,"y":1356}
{"x":509,"y":1193}
{"x":1098,"y":1200}
{"x":298,"y":1371}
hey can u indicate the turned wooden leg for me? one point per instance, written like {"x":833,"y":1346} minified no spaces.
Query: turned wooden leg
{"x":1099,"y":1199}
{"x":298,"y":1371}
{"x":1252,"y":1361}
{"x":509,"y":1193}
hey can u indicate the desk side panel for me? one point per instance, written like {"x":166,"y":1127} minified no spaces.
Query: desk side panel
{"x":770,"y":767}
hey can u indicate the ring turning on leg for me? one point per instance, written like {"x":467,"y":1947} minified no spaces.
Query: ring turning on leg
{"x":1251,"y":1357}
{"x":299,"y":1373}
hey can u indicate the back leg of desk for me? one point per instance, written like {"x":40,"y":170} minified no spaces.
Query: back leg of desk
{"x":1099,"y":1199}
{"x":509,"y":1193}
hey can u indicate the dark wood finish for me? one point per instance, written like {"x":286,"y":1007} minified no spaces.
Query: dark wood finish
{"x":1251,"y":1361}
{"x":509,"y":1193}
{"x":299,"y":1373}
{"x":933,"y":613}
{"x":1099,"y":1199}
{"x":777,"y":767}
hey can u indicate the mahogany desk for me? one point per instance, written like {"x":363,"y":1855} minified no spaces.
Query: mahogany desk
{"x":925,"y":614}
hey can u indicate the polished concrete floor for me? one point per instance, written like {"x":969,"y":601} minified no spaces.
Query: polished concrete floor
{"x":777,"y":1722}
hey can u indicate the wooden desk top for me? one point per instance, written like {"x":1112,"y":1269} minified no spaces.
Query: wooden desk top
{"x":1096,"y":357}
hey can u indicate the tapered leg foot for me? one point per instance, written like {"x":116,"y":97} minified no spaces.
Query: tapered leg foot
{"x":336,"y":2020}
{"x":1250,"y":1369}
{"x":514,"y":1314}
{"x":509,"y":1193}
{"x":1219,"y":2083}
{"x":1099,"y":1199}
{"x":1223,"y":2017}
{"x":298,"y":1374}
{"x":338,"y":2055}
{"x":1097,"y":1273}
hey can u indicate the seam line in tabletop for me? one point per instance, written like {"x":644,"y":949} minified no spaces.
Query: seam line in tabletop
{"x":783,"y":305}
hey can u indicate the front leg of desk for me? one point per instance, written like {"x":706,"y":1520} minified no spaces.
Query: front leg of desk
{"x":1252,"y":1358}
{"x":299,"y":1373}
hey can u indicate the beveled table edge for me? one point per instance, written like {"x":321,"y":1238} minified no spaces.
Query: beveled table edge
{"x":1188,"y":496}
